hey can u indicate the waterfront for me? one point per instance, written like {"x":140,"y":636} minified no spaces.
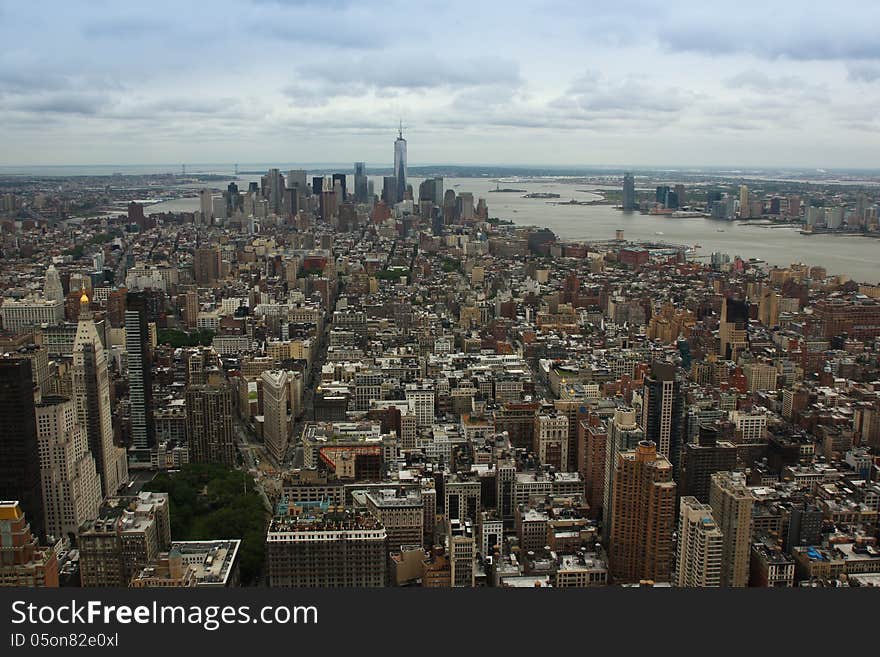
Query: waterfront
{"x":852,"y":255}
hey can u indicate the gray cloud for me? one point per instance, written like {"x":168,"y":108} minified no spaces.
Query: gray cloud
{"x":863,"y":72}
{"x":592,"y":96}
{"x":830,"y":42}
{"x":318,"y":85}
{"x":342,"y":37}
{"x":413,"y":71}
{"x":126,"y":28}
{"x":87,"y":104}
{"x":474,"y":80}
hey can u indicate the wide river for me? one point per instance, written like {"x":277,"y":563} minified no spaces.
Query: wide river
{"x":855,"y":256}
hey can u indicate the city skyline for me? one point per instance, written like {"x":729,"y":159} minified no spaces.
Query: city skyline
{"x":278,"y":375}
{"x":660,"y":85}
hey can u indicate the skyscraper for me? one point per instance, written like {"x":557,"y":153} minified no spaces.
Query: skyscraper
{"x":206,"y":265}
{"x":703,"y":458}
{"x":745,"y":210}
{"x":19,"y":454}
{"x":389,"y":190}
{"x":91,"y":395}
{"x":733,"y":329}
{"x":629,"y":192}
{"x":642,"y":516}
{"x":340,"y":179}
{"x":209,"y":423}
{"x":624,"y":434}
{"x":731,"y":503}
{"x":698,"y":558}
{"x":296,"y":179}
{"x":276,"y":427}
{"x":206,"y":205}
{"x":140,"y":381}
{"x":360,"y":182}
{"x":400,"y":164}
{"x":70,"y":484}
{"x":664,"y":412}
{"x":276,"y":190}
{"x":52,"y":288}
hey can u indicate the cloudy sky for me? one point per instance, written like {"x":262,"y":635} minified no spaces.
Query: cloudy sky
{"x":622,"y":82}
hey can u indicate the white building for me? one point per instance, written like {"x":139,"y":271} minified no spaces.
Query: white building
{"x":420,"y":398}
{"x":700,"y":545}
{"x":750,"y":427}
{"x":21,"y":314}
{"x":70,"y":485}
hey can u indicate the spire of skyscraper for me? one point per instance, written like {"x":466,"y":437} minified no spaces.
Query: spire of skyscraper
{"x":400,"y":163}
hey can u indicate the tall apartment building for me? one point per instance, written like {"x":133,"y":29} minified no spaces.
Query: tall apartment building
{"x":23,"y":561}
{"x":140,"y":379}
{"x":462,"y":497}
{"x":408,"y":431}
{"x":629,"y":192}
{"x":703,"y":458}
{"x":733,"y":329}
{"x":573,"y":410}
{"x":732,"y":503}
{"x":745,"y":210}
{"x":70,"y":484}
{"x":209,"y":423}
{"x":206,"y":265}
{"x":334,"y":549}
{"x":91,"y":394}
{"x":663,"y":411}
{"x":592,"y":448}
{"x":420,"y":398}
{"x":23,"y":345}
{"x":127,"y":536}
{"x":20,"y":461}
{"x":624,"y":434}
{"x":191,"y":308}
{"x":699,"y":548}
{"x":642,"y":516}
{"x":462,"y":550}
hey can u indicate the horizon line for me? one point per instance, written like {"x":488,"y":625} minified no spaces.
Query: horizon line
{"x":621,"y":167}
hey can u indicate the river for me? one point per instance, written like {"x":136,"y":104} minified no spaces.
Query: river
{"x":854,"y":256}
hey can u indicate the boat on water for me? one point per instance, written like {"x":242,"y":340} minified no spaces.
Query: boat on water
{"x":658,"y":233}
{"x":720,"y":230}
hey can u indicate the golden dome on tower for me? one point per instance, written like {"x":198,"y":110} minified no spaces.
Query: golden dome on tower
{"x":84,"y":299}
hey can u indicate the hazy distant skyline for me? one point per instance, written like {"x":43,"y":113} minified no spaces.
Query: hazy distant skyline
{"x":628,"y":82}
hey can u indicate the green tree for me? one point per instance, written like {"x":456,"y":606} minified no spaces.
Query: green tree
{"x":210,"y":501}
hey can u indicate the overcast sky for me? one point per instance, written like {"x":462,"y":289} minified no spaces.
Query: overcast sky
{"x":622,"y":82}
